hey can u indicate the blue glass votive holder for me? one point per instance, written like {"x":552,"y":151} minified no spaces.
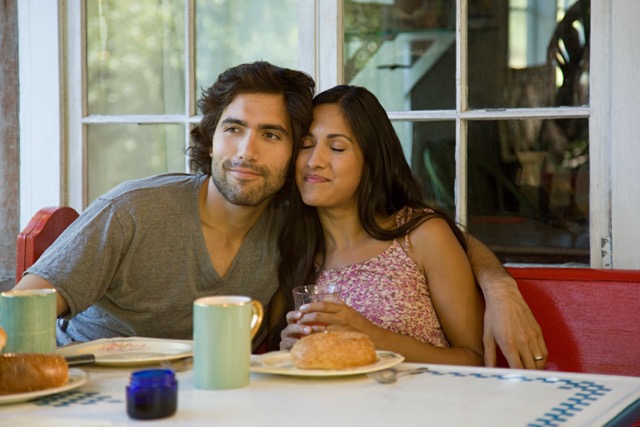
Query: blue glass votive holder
{"x":152,"y":393}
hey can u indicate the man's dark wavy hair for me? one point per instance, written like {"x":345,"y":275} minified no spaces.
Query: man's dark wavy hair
{"x":257,"y":77}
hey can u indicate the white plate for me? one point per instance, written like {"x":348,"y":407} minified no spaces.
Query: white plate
{"x":131,"y":351}
{"x":77,"y":378}
{"x":279,"y":362}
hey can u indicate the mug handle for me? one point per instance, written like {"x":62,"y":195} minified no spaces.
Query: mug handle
{"x":256,"y":317}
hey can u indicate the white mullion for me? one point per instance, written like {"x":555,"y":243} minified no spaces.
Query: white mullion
{"x":600,"y":145}
{"x":75,"y":103}
{"x":190,"y":61}
{"x":84,"y":64}
{"x":528,"y":113}
{"x":460,"y":186}
{"x":494,"y":114}
{"x":138,"y":119}
{"x":307,"y":37}
{"x":64,"y":163}
{"x":190,"y":74}
{"x":339,"y":49}
{"x":330,"y":40}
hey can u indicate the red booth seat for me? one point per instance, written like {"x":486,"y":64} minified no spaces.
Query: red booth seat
{"x":590,"y":318}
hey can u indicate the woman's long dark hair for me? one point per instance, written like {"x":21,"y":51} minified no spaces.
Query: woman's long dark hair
{"x":386,"y":187}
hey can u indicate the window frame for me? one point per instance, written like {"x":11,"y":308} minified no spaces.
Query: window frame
{"x":462,"y":114}
{"x":78,"y":117}
{"x":52,"y":133}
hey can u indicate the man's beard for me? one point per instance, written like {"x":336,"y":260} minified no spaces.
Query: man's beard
{"x":245,"y":193}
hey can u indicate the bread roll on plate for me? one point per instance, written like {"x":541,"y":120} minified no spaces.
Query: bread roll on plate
{"x":333,"y":350}
{"x":27,"y":372}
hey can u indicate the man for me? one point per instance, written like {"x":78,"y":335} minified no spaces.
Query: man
{"x":138,"y":256}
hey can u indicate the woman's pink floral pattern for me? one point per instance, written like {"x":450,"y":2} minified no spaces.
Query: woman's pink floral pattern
{"x":391,"y":291}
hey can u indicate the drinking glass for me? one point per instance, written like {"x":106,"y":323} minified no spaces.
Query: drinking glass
{"x":315,"y":293}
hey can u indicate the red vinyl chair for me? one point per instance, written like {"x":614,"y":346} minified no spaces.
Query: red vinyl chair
{"x":43,"y":229}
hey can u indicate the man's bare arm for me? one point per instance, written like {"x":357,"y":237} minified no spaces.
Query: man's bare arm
{"x":508,"y":321}
{"x":32,"y":281}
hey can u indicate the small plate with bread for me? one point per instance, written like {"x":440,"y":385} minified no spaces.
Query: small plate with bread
{"x":76,"y":379}
{"x":327,"y":354}
{"x":28,"y":376}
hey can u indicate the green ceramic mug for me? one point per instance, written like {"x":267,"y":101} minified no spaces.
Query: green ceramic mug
{"x":28,"y":317}
{"x":223,"y":327}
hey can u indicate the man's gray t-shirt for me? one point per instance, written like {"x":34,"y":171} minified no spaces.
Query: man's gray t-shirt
{"x":135,"y":260}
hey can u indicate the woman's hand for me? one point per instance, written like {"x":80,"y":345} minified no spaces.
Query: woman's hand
{"x":320,"y":317}
{"x":294,"y":331}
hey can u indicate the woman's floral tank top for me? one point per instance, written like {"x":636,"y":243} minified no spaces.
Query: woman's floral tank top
{"x":391,"y":291}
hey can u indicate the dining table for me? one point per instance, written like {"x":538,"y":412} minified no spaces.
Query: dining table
{"x":438,"y":395}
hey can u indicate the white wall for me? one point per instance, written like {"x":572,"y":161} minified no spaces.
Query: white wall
{"x":41,"y":140}
{"x":625,"y":134}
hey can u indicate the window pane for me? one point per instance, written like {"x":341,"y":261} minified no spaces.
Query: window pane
{"x":528,"y":185}
{"x":135,"y":57}
{"x":433,"y":162}
{"x":229,"y":33}
{"x":537,"y":56}
{"x":117,"y":153}
{"x":403,"y":51}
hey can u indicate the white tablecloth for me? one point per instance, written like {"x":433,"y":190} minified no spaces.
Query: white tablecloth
{"x":444,"y":396}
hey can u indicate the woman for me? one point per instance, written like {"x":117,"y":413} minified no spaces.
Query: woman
{"x":359,"y":220}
